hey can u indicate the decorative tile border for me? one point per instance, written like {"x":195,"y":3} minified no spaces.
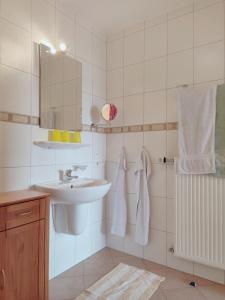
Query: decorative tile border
{"x":18,"y":118}
{"x":32,"y":120}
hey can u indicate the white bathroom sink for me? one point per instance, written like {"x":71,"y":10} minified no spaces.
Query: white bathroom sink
{"x":77,"y":191}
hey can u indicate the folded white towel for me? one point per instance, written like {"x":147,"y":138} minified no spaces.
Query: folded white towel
{"x":196,"y":130}
{"x":143,"y":171}
{"x":119,"y":198}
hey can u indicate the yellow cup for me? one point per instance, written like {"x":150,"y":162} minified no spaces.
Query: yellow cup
{"x":65,"y":137}
{"x":56,"y":135}
{"x":50,"y":136}
{"x":76,"y":137}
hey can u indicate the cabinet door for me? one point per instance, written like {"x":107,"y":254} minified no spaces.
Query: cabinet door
{"x":22,"y":262}
{"x":2,"y":265}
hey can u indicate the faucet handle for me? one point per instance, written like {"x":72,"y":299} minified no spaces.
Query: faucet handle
{"x":79,"y":167}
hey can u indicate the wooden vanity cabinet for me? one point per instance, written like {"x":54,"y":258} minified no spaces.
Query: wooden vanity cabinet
{"x":24,"y":235}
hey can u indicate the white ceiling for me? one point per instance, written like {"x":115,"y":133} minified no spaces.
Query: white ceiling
{"x":113,"y":15}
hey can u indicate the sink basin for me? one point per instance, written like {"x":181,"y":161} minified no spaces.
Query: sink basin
{"x":77,"y":191}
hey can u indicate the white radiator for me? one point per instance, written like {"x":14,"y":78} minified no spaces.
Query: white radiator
{"x":200,"y":219}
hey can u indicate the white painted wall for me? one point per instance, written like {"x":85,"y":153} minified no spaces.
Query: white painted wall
{"x":145,"y":65}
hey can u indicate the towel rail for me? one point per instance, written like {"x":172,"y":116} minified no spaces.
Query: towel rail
{"x":166,"y":160}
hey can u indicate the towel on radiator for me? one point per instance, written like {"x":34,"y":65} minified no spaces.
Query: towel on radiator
{"x":119,"y":199}
{"x":220,"y":131}
{"x":196,"y":130}
{"x":143,"y":171}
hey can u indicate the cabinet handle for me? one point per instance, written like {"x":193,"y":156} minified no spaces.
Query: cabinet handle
{"x":2,"y":286}
{"x":24,"y":213}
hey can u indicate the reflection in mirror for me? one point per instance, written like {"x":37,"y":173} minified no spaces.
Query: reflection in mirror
{"x":60,"y":90}
{"x":109,"y":112}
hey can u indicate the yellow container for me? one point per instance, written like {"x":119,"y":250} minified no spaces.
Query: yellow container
{"x":76,"y":138}
{"x":50,"y":136}
{"x":56,"y":135}
{"x":65,"y":136}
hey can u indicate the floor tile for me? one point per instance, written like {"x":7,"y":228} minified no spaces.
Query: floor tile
{"x":184,"y":294}
{"x":68,"y":285}
{"x":214,"y":292}
{"x":66,"y":288}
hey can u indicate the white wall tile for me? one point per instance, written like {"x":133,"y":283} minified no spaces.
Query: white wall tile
{"x":98,"y":236}
{"x":158,"y":181}
{"x":84,"y":242}
{"x":87,"y":109}
{"x":12,"y":179}
{"x":171,"y":105}
{"x":156,"y":248}
{"x":180,"y":68}
{"x":171,"y":173}
{"x":65,"y":32}
{"x":97,"y":211}
{"x":115,"y":83}
{"x":206,"y":30}
{"x":42,"y":174}
{"x":156,"y":41}
{"x":155,"y":74}
{"x":18,"y":12}
{"x":99,"y":52}
{"x":115,"y":54}
{"x":158,"y":213}
{"x":43,"y":20}
{"x":133,"y":112}
{"x":64,"y":247}
{"x":171,"y":215}
{"x":86,"y":77}
{"x":99,"y":82}
{"x":15,"y":46}
{"x":155,"y":107}
{"x":84,"y":43}
{"x":209,"y":62}
{"x":180,"y":33}
{"x":180,"y":12}
{"x":172,"y":143}
{"x":155,"y":143}
{"x":39,"y":156}
{"x":199,"y":4}
{"x":11,"y":135}
{"x":133,"y":79}
{"x":15,"y":89}
{"x":134,"y":48}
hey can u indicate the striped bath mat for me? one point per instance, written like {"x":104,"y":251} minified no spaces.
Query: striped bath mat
{"x":123,"y":282}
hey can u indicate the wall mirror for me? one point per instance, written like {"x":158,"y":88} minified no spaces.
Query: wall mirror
{"x":60,"y":90}
{"x":109,"y":112}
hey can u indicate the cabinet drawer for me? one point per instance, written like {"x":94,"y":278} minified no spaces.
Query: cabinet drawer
{"x":22,"y":213}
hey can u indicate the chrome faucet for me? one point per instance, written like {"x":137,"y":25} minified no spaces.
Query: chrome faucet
{"x":66,"y":176}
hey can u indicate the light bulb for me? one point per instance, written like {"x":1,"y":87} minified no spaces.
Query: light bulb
{"x":62,"y":47}
{"x":53,"y":50}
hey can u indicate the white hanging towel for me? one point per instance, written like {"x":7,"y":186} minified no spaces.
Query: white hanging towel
{"x":119,"y":199}
{"x":143,"y":171}
{"x":196,"y":130}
